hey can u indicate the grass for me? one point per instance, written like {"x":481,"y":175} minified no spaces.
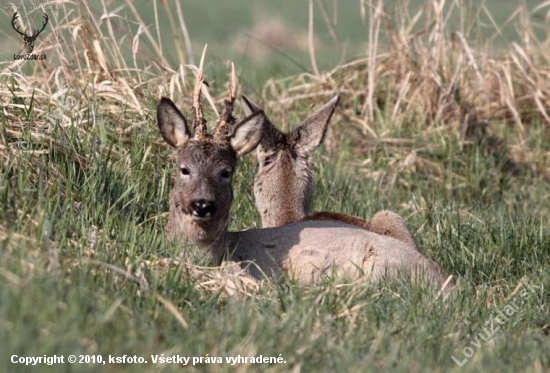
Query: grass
{"x":84,"y":269}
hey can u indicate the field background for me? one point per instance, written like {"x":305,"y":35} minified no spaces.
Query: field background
{"x":444,"y":118}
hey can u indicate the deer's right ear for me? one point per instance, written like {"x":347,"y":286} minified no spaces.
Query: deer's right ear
{"x":270,"y":133}
{"x":248,"y":133}
{"x":172,"y":124}
{"x":249,"y":106}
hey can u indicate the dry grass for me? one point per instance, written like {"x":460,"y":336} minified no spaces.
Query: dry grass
{"x":434,"y":76}
{"x":437,"y":83}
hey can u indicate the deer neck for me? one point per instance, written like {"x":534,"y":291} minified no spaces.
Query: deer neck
{"x":210,"y":236}
{"x":283,"y":191}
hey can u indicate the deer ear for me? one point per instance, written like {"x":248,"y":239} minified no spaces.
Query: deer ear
{"x":267,"y":145}
{"x":248,"y":133}
{"x":172,"y":124}
{"x":272,"y":141}
{"x":249,"y":106}
{"x":311,"y":133}
{"x":270,"y":132}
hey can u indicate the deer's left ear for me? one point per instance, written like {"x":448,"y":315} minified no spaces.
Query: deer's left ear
{"x":248,"y":133}
{"x":310,"y":134}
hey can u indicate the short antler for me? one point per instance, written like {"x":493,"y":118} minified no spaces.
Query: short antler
{"x":199,"y":124}
{"x":221,"y":133}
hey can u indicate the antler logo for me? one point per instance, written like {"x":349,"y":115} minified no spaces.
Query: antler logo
{"x":29,"y":40}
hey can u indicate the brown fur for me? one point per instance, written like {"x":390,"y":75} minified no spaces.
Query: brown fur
{"x":385,"y":223}
{"x":283,"y":185}
{"x":351,"y":220}
{"x":202,"y":183}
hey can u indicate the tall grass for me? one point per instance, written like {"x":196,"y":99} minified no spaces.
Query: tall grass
{"x":434,"y":123}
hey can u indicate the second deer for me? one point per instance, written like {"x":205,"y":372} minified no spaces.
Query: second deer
{"x":283,"y":185}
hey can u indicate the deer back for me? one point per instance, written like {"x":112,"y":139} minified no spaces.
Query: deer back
{"x":309,"y":250}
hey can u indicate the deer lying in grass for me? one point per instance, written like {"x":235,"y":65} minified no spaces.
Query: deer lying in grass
{"x":283,"y":185}
{"x":307,"y":250}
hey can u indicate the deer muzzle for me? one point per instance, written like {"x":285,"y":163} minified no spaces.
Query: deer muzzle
{"x":202,"y":210}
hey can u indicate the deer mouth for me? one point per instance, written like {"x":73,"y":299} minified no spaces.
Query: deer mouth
{"x":200,"y":218}
{"x":201,"y":210}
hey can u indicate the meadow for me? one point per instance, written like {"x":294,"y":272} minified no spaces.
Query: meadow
{"x":444,"y":118}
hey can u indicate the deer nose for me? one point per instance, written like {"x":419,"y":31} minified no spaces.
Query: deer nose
{"x":202,"y":209}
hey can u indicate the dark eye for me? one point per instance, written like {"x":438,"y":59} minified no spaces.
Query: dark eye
{"x":184,"y":171}
{"x":225,"y":174}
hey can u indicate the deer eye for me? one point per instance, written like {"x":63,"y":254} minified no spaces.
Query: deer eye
{"x":225,"y":174}
{"x":184,"y":171}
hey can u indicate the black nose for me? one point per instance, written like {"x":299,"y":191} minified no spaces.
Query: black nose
{"x":202,"y":208}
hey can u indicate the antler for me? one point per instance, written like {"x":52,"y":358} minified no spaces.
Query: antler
{"x":13,"y":20}
{"x":36,"y":33}
{"x":199,"y":124}
{"x":221,"y":133}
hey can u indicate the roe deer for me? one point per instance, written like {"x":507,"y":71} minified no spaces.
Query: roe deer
{"x":202,"y":195}
{"x":283,"y":185}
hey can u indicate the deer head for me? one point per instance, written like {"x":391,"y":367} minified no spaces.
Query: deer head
{"x":29,"y":40}
{"x":202,"y":194}
{"x":283,"y":185}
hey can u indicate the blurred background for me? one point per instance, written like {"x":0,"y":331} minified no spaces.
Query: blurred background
{"x":273,"y":35}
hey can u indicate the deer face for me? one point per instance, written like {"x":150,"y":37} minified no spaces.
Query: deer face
{"x":202,"y":184}
{"x":283,"y":185}
{"x":202,"y":191}
{"x":29,"y":42}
